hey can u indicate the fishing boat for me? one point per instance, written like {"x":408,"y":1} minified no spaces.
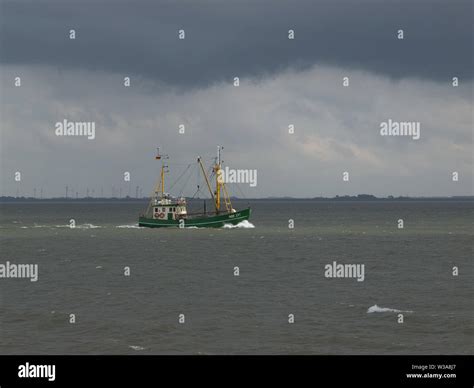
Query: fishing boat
{"x":165,"y":211}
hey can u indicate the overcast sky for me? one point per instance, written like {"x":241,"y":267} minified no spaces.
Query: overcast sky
{"x":282,"y":82}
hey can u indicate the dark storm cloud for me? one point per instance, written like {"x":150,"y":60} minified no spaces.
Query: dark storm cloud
{"x":244,"y":38}
{"x":337,"y":129}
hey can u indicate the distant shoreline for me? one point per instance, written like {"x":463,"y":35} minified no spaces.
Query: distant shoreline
{"x":345,"y":198}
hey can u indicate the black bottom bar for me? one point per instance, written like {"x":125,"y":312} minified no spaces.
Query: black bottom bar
{"x":382,"y":371}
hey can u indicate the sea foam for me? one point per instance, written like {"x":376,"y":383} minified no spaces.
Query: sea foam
{"x":134,"y":347}
{"x":83,"y":226}
{"x":377,"y":309}
{"x":241,"y":225}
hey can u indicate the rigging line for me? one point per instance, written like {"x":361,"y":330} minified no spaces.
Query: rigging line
{"x":198,"y":178}
{"x":241,"y":192}
{"x":197,"y":191}
{"x":210,"y":171}
{"x":155,"y":189}
{"x":177,"y":180}
{"x":186,"y":181}
{"x":208,"y":160}
{"x":186,"y":177}
{"x":198,"y":184}
{"x":178,"y":164}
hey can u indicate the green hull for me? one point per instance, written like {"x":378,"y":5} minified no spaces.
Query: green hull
{"x":203,"y":221}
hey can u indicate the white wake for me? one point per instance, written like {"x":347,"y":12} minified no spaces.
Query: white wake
{"x":241,"y":225}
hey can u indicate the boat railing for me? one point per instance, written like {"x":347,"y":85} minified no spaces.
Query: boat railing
{"x":206,"y":213}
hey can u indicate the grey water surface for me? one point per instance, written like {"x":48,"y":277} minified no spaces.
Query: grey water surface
{"x":408,"y":271}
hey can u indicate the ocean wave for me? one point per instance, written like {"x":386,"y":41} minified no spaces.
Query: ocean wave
{"x":132,"y":226}
{"x":377,"y":309}
{"x":241,"y":225}
{"x":88,"y":226}
{"x":83,"y":226}
{"x":134,"y":347}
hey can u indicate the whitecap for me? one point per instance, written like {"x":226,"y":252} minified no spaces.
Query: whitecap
{"x":83,"y":226}
{"x":88,"y":226}
{"x":377,"y":309}
{"x":134,"y":347}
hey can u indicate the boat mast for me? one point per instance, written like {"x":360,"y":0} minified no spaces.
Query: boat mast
{"x":207,"y":182}
{"x":220,"y":183}
{"x":162,"y":174}
{"x":162,"y":180}
{"x":217,"y":170}
{"x":160,"y":184}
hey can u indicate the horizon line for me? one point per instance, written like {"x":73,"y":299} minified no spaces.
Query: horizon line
{"x":336,"y":197}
